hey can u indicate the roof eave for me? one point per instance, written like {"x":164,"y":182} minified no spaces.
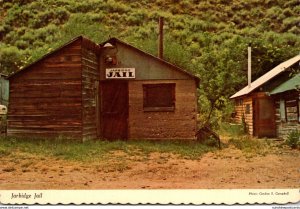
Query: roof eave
{"x":43,"y":57}
{"x":268,"y":76}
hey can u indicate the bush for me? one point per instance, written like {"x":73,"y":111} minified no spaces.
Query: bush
{"x":10,"y":58}
{"x":293,"y":139}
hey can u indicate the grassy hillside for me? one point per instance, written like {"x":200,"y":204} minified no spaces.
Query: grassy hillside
{"x":207,"y":37}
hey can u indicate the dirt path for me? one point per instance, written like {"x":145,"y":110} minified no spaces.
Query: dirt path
{"x":227,"y":168}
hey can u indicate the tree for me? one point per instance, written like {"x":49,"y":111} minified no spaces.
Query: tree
{"x":221,"y":69}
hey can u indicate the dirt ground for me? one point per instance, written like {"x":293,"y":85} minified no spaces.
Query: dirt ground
{"x":223,"y":169}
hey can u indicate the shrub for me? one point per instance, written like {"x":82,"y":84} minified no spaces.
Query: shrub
{"x":293,"y":139}
{"x":136,"y":18}
{"x":21,"y":44}
{"x":290,"y":22}
{"x":10,"y":58}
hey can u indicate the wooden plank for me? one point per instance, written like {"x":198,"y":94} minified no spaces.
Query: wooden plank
{"x":33,"y":82}
{"x":54,"y":101}
{"x":38,"y":117}
{"x":46,"y":123}
{"x":40,"y":89}
{"x":32,"y":132}
{"x":66,"y":58}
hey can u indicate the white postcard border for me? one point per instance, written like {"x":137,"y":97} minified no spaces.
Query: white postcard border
{"x":175,"y":196}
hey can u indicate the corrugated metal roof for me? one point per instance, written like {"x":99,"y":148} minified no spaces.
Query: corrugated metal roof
{"x":266,"y":77}
{"x":291,"y":84}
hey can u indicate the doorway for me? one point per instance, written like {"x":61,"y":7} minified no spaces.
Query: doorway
{"x":114,"y":109}
{"x":264,"y":117}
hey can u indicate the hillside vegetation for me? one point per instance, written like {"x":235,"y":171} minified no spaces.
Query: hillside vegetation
{"x":206,"y":37}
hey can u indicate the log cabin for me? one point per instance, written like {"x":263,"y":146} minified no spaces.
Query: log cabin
{"x":257,"y":105}
{"x":286,"y":97}
{"x":110,"y":90}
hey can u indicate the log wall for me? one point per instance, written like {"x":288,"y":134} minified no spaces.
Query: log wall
{"x":45,"y":100}
{"x":241,"y":110}
{"x":288,"y":120}
{"x":180,"y":124}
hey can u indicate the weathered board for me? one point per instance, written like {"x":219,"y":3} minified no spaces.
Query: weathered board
{"x":90,"y":90}
{"x":45,"y":100}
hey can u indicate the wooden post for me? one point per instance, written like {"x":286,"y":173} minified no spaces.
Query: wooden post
{"x":161,"y":37}
{"x":249,"y":66}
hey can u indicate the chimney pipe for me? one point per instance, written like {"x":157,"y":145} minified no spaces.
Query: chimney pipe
{"x":249,"y":66}
{"x":161,"y":38}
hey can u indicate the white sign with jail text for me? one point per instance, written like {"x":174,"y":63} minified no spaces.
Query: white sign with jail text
{"x":119,"y":73}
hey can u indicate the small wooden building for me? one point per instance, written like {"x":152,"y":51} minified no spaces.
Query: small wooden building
{"x":111,"y":90}
{"x":287,"y":106}
{"x":56,"y":95}
{"x":256,"y":107}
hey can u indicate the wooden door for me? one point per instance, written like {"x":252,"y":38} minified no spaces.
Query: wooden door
{"x":114,"y":109}
{"x":264,"y":117}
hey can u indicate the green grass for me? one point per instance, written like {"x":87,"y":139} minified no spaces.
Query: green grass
{"x":4,"y":151}
{"x":99,"y":149}
{"x":251,"y":145}
{"x":231,"y":129}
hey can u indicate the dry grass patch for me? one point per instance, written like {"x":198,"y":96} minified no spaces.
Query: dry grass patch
{"x":8,"y":169}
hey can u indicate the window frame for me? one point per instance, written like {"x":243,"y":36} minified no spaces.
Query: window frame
{"x":247,"y":109}
{"x":297,"y":113}
{"x":284,"y":100}
{"x":148,"y":107}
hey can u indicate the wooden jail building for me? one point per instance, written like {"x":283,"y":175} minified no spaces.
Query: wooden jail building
{"x":107,"y":91}
{"x":270,"y":105}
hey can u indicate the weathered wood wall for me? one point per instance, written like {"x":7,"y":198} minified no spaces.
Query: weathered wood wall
{"x":46,"y":99}
{"x":180,"y":124}
{"x":287,"y":116}
{"x":241,"y":111}
{"x":90,"y":89}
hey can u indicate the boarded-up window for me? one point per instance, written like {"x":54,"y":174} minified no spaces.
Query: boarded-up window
{"x":292,"y":110}
{"x":159,"y":97}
